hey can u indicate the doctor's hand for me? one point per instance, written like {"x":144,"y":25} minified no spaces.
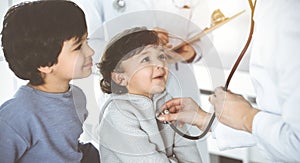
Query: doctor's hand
{"x":185,"y":53}
{"x":184,"y":110}
{"x":233,"y":110}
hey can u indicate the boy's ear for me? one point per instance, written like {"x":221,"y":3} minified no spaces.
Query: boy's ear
{"x":119,"y":78}
{"x":45,"y":69}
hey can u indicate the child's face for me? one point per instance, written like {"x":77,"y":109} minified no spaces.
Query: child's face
{"x":147,"y":72}
{"x":74,"y":61}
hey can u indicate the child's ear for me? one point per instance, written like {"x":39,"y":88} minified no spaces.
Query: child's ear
{"x":45,"y":69}
{"x":119,"y":78}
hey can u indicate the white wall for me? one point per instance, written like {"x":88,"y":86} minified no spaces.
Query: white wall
{"x":8,"y":81}
{"x":228,"y":40}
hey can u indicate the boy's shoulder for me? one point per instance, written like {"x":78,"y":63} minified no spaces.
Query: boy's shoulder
{"x":26,"y":99}
{"x":18,"y":105}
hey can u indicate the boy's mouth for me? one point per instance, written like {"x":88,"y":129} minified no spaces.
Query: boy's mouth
{"x":89,"y":64}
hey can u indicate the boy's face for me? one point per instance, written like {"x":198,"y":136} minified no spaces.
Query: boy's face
{"x":147,"y":72}
{"x":74,"y":61}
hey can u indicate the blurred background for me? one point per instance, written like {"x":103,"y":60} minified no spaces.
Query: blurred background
{"x":228,"y":41}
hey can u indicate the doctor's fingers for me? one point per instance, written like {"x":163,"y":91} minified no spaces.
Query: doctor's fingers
{"x":218,"y":102}
{"x":163,"y":35}
{"x":220,"y":95}
{"x":172,"y":105}
{"x":180,"y":117}
{"x":168,"y":117}
{"x":186,"y":48}
{"x":213,"y":99}
{"x":219,"y":91}
{"x":160,"y":30}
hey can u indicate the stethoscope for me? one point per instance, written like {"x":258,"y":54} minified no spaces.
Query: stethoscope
{"x":206,"y":130}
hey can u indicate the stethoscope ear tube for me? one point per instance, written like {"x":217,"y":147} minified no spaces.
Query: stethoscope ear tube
{"x":236,"y":64}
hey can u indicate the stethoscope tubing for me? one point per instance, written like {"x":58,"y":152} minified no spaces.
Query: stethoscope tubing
{"x":236,"y":64}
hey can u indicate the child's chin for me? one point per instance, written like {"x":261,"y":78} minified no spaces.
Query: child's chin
{"x":156,"y":90}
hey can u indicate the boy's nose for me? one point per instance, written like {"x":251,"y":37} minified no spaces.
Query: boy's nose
{"x":90,"y":51}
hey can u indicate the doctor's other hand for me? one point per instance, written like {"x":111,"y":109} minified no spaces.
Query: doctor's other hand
{"x":232,"y":109}
{"x":184,"y":110}
{"x":163,"y":36}
{"x":185,"y":53}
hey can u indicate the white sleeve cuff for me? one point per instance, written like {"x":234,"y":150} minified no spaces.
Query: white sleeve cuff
{"x":229,"y":138}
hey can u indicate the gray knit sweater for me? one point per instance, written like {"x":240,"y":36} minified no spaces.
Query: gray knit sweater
{"x":129,"y":132}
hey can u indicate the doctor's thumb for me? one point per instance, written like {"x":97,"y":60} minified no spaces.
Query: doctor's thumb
{"x":167,"y":117}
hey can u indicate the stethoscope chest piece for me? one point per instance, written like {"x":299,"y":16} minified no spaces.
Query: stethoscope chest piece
{"x":119,"y":5}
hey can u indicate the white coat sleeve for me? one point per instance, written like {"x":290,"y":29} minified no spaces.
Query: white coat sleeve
{"x":229,"y":138}
{"x":278,"y":128}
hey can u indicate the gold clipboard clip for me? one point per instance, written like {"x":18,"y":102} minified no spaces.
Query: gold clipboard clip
{"x":217,"y":20}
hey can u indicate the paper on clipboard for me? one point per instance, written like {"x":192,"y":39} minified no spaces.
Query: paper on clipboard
{"x":206,"y":30}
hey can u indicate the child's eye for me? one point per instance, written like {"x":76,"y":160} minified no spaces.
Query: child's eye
{"x":146,"y":59}
{"x":78,"y":47}
{"x":162,"y":57}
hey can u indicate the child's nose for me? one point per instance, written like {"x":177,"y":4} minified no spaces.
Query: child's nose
{"x":160,"y":63}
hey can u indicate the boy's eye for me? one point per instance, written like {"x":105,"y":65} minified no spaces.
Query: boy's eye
{"x":88,"y":40}
{"x":146,"y":59}
{"x":78,"y":47}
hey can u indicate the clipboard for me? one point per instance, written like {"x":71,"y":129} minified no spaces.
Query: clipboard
{"x":215,"y":24}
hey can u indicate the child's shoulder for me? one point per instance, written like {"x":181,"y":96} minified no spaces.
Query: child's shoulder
{"x":128,"y":106}
{"x":130,"y":101}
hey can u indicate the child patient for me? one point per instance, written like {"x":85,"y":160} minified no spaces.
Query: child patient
{"x":135,"y":71}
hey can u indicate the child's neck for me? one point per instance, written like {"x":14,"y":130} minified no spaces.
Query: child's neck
{"x":150,"y":96}
{"x":51,"y":88}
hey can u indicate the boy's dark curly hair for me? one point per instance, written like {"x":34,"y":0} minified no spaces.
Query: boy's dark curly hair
{"x":34,"y":32}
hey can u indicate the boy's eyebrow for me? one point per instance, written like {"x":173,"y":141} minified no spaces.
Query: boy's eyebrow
{"x":79,"y":40}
